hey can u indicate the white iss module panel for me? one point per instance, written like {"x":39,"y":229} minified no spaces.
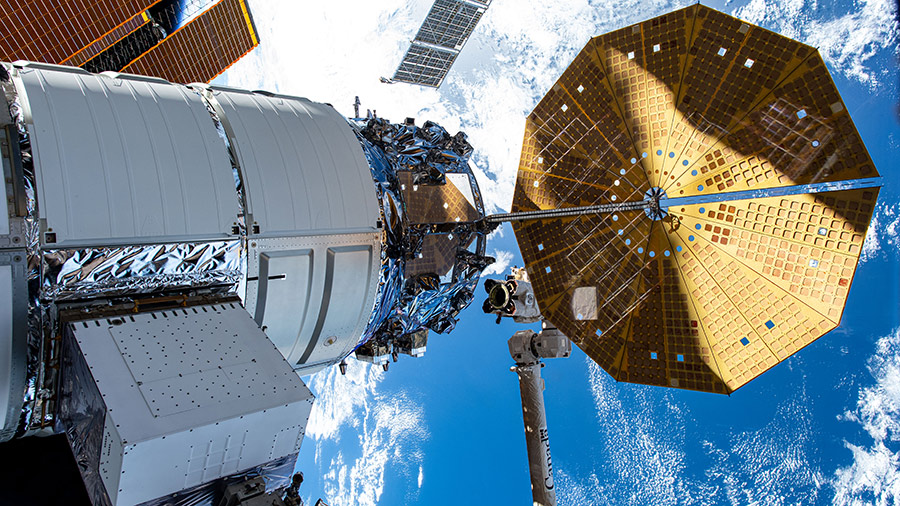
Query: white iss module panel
{"x":123,"y":159}
{"x":314,"y":294}
{"x":304,"y":170}
{"x":200,"y":388}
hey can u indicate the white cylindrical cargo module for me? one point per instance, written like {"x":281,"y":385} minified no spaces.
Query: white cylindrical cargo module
{"x":135,"y":189}
{"x":314,"y":247}
{"x":171,"y":250}
{"x":128,"y":161}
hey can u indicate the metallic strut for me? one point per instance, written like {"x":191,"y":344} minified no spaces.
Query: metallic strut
{"x":567,"y":212}
{"x":662,"y":203}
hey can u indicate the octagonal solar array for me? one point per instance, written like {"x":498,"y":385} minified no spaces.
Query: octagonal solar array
{"x":707,"y":108}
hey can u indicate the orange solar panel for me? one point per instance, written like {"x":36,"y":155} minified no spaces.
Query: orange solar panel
{"x":203,"y":48}
{"x":111,"y":37}
{"x":52,"y":31}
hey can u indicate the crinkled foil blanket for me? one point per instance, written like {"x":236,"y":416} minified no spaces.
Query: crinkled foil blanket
{"x":408,"y":304}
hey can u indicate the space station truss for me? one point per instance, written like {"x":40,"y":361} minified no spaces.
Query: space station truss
{"x":731,"y":194}
{"x":441,"y":37}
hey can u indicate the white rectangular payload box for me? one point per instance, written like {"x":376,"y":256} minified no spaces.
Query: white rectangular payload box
{"x":200,"y":388}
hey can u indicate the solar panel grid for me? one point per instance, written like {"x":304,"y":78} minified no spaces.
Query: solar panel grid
{"x":600,"y":258}
{"x":620,"y":283}
{"x":576,"y":164}
{"x":722,"y":291}
{"x":746,"y":346}
{"x":723,"y":97}
{"x":643,"y":357}
{"x":110,"y":38}
{"x":687,"y":355}
{"x":805,"y":243}
{"x":807,"y":143}
{"x":719,"y":318}
{"x":666,"y":45}
{"x":424,"y":65}
{"x":665,"y":41}
{"x":46,"y":31}
{"x":202,"y":49}
{"x":646,"y":62}
{"x":628,"y":84}
{"x":449,"y":24}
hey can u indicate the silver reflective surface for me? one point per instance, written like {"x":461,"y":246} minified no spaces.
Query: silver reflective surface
{"x":411,"y":300}
{"x":138,"y":270}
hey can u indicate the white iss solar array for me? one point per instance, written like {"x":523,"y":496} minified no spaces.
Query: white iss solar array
{"x":432,"y":52}
{"x":270,"y":193}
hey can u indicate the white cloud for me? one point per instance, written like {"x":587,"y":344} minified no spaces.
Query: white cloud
{"x":874,"y":475}
{"x":644,"y":456}
{"x":774,"y":464}
{"x":884,"y":232}
{"x":848,"y":40}
{"x":572,"y":491}
{"x":501,"y":265}
{"x":389,"y":429}
{"x":650,"y":453}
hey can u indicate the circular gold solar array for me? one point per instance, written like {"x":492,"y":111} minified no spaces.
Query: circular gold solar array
{"x":698,"y":104}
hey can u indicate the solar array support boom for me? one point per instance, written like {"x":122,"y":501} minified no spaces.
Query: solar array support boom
{"x":664,"y":202}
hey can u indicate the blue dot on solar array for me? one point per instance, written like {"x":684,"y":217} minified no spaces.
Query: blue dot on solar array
{"x":693,"y":172}
{"x":697,"y":226}
{"x":702,"y":210}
